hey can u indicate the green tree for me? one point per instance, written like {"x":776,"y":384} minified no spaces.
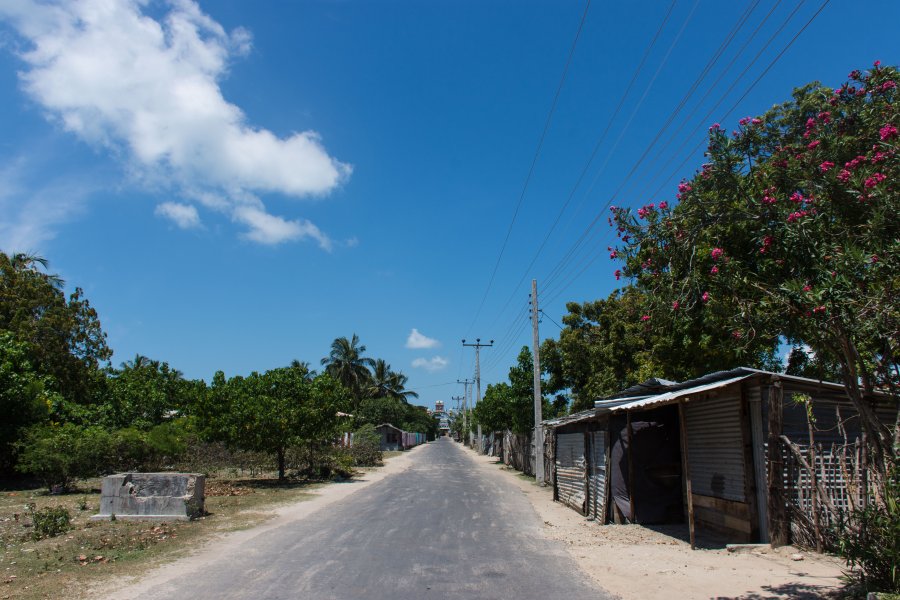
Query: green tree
{"x":385,"y":382}
{"x":145,"y":392}
{"x":64,"y":338}
{"x":273,"y":411}
{"x":790,"y":229}
{"x":346,"y":364}
{"x":606,"y":347}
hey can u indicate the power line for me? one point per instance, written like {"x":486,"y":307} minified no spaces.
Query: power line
{"x":590,"y":160}
{"x":534,"y":160}
{"x":567,"y":258}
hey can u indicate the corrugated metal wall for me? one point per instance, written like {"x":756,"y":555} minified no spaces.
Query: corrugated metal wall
{"x":597,"y":480}
{"x":570,"y":470}
{"x":715,"y":446}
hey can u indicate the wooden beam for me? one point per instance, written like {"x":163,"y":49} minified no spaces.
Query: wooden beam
{"x":749,"y":470}
{"x":686,"y":471}
{"x":779,"y":526}
{"x":630,"y":469}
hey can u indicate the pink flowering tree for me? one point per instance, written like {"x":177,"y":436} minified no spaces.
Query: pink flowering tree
{"x":791,"y":229}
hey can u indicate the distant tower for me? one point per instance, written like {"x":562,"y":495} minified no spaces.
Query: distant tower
{"x":439,"y":406}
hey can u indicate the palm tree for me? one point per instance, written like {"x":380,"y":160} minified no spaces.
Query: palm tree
{"x":388,"y":384}
{"x":22,"y":261}
{"x":347,"y":364}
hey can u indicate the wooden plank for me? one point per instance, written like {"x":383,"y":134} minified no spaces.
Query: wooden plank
{"x":685,"y":469}
{"x":739,"y":510}
{"x":719,"y":519}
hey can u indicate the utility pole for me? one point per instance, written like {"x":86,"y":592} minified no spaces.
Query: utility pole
{"x":465,"y":400}
{"x":538,"y":398}
{"x":478,"y":346}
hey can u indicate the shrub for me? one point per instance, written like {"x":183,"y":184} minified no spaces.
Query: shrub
{"x":49,"y":521}
{"x":870,"y":542}
{"x":59,"y":454}
{"x":366,"y":448}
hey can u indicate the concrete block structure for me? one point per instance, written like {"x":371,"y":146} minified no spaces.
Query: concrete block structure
{"x":152,"y":496}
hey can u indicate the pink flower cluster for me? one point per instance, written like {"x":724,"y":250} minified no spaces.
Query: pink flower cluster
{"x":824,"y":116}
{"x":714,"y":270}
{"x":767,"y":242}
{"x":855,"y":162}
{"x":663,"y":205}
{"x":887,"y":132}
{"x":768,"y":197}
{"x":715,"y":127}
{"x":796,"y":216}
{"x":797,"y":198}
{"x":676,"y":305}
{"x":887,"y":85}
{"x":705,"y":297}
{"x":813,"y":144}
{"x":844,"y":176}
{"x":826,"y":166}
{"x":645,"y":318}
{"x":618,"y":274}
{"x":819,"y":309}
{"x":874,"y":180}
{"x":717,"y":253}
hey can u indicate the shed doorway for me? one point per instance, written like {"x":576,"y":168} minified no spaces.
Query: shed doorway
{"x":645,"y":467}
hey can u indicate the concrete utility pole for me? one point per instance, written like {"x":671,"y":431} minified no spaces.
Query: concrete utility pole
{"x":478,"y":346}
{"x":538,"y":430}
{"x":465,"y":400}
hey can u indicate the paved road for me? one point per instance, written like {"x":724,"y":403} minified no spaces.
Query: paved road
{"x":443,"y":528}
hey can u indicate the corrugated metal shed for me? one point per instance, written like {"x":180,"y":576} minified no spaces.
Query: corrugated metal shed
{"x":570,"y":467}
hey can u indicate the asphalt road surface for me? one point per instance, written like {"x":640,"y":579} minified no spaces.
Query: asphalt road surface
{"x":443,"y":528}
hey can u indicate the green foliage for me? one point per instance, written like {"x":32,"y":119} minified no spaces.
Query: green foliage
{"x":273,"y":411}
{"x":870,"y":542}
{"x":65,"y":342}
{"x":346,"y":364}
{"x":145,"y":392}
{"x":49,"y":521}
{"x":366,"y":448}
{"x":25,"y":396}
{"x":397,"y":412}
{"x":511,"y":405}
{"x":59,"y":454}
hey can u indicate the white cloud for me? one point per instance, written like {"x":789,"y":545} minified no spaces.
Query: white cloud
{"x":184,"y":216}
{"x":148,"y":90}
{"x":32,"y":206}
{"x":270,"y":229}
{"x":417,"y":340}
{"x":436,"y":363}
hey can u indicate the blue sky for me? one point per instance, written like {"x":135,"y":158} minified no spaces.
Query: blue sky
{"x":234,"y":185}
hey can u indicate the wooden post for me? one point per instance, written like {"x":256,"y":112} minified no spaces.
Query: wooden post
{"x":814,"y":481}
{"x":749,"y":469}
{"x":779,"y":526}
{"x":686,"y":472}
{"x":606,"y":495}
{"x":633,"y":518}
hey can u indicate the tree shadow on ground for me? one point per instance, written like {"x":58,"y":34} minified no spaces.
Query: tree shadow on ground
{"x":680,"y":531}
{"x":794,"y":591}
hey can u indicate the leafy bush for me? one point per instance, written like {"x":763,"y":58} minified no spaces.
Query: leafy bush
{"x":870,"y":542}
{"x":59,"y":454}
{"x":49,"y":521}
{"x":366,"y":448}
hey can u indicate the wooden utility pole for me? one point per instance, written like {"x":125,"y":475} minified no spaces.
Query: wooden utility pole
{"x":478,"y":346}
{"x":465,"y":399}
{"x":538,"y":398}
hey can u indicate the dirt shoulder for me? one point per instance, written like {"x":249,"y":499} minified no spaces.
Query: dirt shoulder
{"x":639,"y":563}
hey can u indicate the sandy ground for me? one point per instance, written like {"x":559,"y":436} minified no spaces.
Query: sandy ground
{"x":638,"y":563}
{"x":228,"y":545}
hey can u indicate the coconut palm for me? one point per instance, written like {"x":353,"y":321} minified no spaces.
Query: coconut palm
{"x":386,"y":383}
{"x":347,"y":364}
